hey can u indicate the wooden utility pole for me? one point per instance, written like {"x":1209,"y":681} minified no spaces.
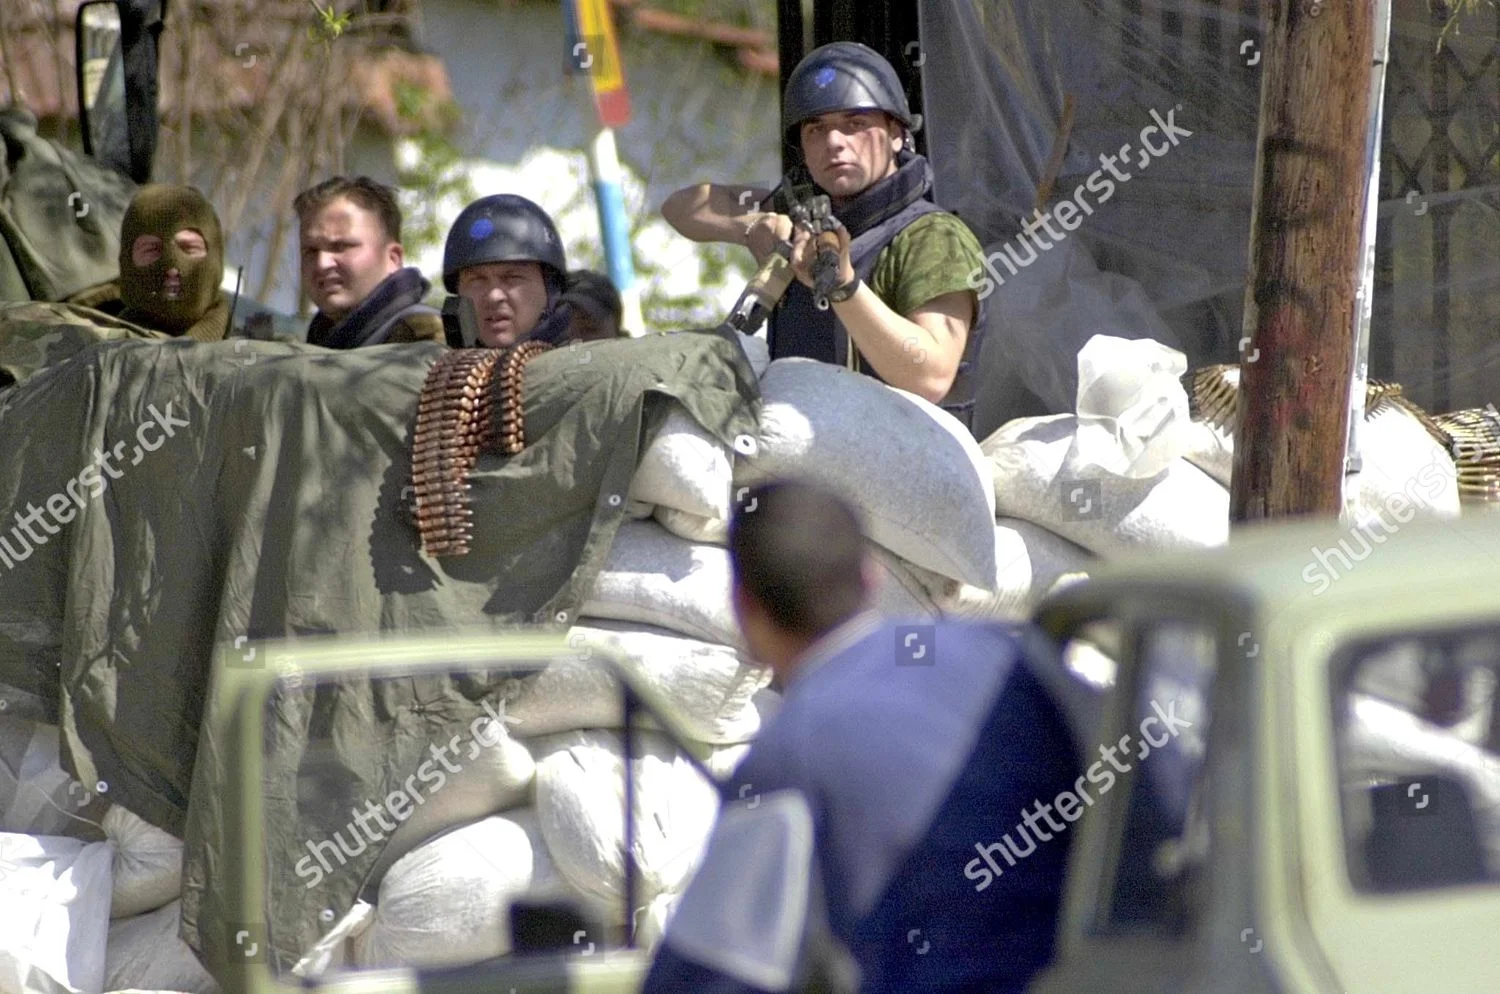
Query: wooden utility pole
{"x":1301,"y":301}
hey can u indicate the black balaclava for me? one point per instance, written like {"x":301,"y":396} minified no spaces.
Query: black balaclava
{"x":163,"y":210}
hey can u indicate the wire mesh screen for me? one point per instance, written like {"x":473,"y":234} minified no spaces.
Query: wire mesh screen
{"x":1160,"y":248}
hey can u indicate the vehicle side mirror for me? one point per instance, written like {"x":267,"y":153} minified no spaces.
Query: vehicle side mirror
{"x":1423,"y":834}
{"x":115,"y":54}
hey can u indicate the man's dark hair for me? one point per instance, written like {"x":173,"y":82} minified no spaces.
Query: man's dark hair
{"x":798,"y":550}
{"x":597,"y":309}
{"x":362,"y":191}
{"x":596,"y":288}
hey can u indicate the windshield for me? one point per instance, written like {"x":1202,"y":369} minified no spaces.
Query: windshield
{"x":1419,"y":757}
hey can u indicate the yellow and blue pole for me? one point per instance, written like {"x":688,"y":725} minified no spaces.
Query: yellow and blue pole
{"x":594,"y":50}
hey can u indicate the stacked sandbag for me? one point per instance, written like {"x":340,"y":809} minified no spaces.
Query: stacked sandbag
{"x":580,"y":792}
{"x":1181,"y":507}
{"x":922,"y":485}
{"x":145,"y":953}
{"x":1113,"y":478}
{"x":494,"y":775}
{"x":447,"y":902}
{"x":147,"y":865}
{"x":661,"y":604}
{"x":54,"y":913}
{"x":1030,"y":562}
{"x":712,"y":687}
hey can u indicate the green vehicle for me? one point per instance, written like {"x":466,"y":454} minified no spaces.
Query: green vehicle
{"x":61,"y":208}
{"x":1328,"y":818}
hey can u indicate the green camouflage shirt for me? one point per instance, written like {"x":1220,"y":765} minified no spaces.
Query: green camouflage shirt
{"x":931,"y":256}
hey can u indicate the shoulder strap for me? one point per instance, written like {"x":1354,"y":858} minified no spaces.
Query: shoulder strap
{"x":380,"y":334}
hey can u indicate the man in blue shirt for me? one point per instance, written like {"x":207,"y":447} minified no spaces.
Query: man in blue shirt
{"x":875,"y":801}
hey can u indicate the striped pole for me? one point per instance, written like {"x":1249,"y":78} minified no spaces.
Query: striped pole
{"x":614,"y":224}
{"x":593,"y":50}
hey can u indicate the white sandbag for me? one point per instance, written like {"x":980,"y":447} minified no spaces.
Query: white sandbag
{"x":1211,"y":450}
{"x":447,"y":902}
{"x":36,"y":796}
{"x":1133,"y":418}
{"x":1029,"y":561}
{"x":693,"y":527}
{"x":655,"y":578}
{"x":54,"y":912}
{"x":905,"y":590}
{"x":1180,"y":508}
{"x":147,"y":867}
{"x":686,"y":470}
{"x":922,"y":486}
{"x":711,"y":686}
{"x":684,"y":467}
{"x":580,"y":791}
{"x":145,"y":953}
{"x":1406,"y":473}
{"x":651,"y":919}
{"x":495,"y":773}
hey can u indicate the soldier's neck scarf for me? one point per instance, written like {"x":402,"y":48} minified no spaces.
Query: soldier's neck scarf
{"x":397,"y":292}
{"x":193,"y":306}
{"x":883,"y":199}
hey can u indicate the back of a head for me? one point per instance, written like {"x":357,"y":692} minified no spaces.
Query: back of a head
{"x":596,"y":304}
{"x":799,"y":552}
{"x":361,"y":191}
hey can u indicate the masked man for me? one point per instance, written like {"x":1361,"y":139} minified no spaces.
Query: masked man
{"x":171,"y":266}
{"x":505,"y":258}
{"x":903,"y":296}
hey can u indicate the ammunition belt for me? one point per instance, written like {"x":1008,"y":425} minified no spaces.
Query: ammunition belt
{"x":1474,"y":441}
{"x":471,"y":404}
{"x":1472,"y":437}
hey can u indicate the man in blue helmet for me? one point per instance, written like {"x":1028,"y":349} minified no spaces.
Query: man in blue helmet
{"x":505,"y":258}
{"x":904,"y":297}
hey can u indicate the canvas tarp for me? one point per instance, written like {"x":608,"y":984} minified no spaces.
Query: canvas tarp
{"x":254,"y":490}
{"x":35,"y":335}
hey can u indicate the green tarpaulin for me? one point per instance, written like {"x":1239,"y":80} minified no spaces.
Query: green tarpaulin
{"x":159,"y":499}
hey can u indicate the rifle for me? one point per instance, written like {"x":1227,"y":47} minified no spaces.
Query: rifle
{"x":814,"y":214}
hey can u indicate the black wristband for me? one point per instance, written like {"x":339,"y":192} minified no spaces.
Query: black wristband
{"x":840,"y":294}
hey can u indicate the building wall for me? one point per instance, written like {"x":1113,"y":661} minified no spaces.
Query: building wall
{"x":525,"y":124}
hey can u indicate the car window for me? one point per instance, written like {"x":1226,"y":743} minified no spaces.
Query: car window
{"x":1418,"y":743}
{"x":1164,"y":840}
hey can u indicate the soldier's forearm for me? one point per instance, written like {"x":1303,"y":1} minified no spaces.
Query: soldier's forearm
{"x":905,"y":354}
{"x":711,"y":213}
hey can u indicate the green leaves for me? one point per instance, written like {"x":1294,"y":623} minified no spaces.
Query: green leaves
{"x":330,"y":23}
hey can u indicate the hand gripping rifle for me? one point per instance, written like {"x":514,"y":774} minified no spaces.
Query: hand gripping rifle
{"x":813,"y":214}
